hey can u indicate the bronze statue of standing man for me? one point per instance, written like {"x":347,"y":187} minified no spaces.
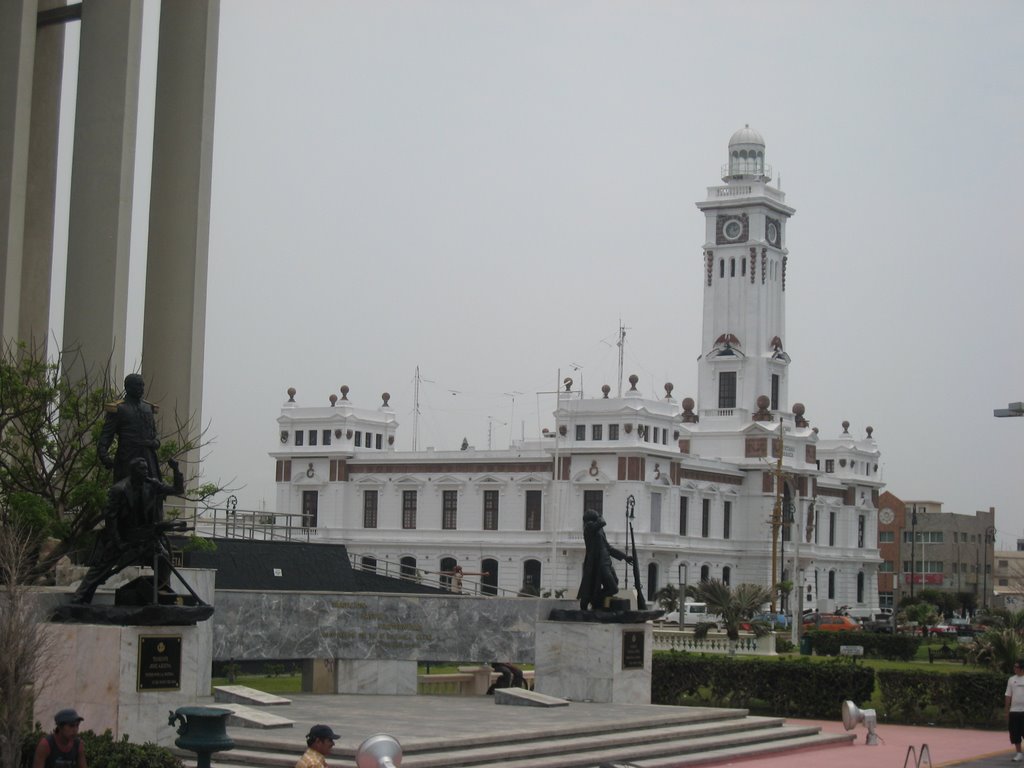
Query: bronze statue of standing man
{"x":132,"y":421}
{"x":599,"y":579}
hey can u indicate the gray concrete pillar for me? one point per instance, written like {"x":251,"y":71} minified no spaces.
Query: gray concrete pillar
{"x":33,"y":324}
{"x":174,"y":329}
{"x":17,"y":50}
{"x":102,"y":177}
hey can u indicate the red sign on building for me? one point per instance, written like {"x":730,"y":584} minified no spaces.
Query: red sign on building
{"x":925,"y":578}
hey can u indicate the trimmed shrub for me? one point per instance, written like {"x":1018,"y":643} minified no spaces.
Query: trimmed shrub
{"x":963,"y":698}
{"x":101,"y":751}
{"x":876,"y":644}
{"x":790,"y":687}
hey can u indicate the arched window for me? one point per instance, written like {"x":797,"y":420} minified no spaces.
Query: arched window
{"x":652,"y":581}
{"x":447,"y":566}
{"x":726,"y":575}
{"x":408,"y":569}
{"x":860,"y":587}
{"x":531,"y":577}
{"x":705,"y":572}
{"x":489,"y":581}
{"x":732,"y":267}
{"x":831,"y":585}
{"x":721,"y":267}
{"x":368,"y":563}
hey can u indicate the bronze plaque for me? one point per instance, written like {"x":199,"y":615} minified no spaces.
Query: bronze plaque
{"x":632,"y":650}
{"x":159,"y":663}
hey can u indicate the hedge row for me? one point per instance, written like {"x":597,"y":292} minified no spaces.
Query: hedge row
{"x":963,"y":698}
{"x":788,"y":687}
{"x":876,"y":645}
{"x":803,"y":688}
{"x":102,"y":751}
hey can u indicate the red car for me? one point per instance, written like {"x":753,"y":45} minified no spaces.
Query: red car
{"x":828,"y":622}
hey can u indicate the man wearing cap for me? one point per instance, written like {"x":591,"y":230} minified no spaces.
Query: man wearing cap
{"x":62,"y":748}
{"x":320,"y":741}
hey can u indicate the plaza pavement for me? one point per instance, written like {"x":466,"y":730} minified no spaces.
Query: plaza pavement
{"x":414,"y":719}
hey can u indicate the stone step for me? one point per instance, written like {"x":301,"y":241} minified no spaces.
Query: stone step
{"x":519,"y":697}
{"x":243,"y":694}
{"x":659,"y":747}
{"x":251,"y":717}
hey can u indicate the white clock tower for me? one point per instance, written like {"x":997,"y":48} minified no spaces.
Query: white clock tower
{"x":744,"y":333}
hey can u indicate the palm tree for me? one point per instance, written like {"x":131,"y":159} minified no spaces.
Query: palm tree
{"x":668,"y":598}
{"x":735,"y":606}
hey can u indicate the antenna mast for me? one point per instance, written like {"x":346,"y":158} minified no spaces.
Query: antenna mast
{"x":416,"y":410}
{"x":622,"y":348}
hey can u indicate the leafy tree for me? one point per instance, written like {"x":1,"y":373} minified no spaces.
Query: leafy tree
{"x":51,"y":415}
{"x":735,"y":606}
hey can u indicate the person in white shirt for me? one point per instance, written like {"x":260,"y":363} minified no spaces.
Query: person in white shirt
{"x":1015,"y":707}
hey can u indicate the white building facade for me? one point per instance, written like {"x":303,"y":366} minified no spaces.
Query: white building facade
{"x":515,"y":514}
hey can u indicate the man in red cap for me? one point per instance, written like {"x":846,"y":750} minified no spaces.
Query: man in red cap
{"x":320,"y":740}
{"x":62,"y":748}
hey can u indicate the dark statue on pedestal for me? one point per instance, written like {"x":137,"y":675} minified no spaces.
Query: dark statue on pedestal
{"x":600,"y":584}
{"x":135,"y":532}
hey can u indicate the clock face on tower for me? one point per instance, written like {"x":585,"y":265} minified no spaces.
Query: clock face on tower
{"x":733,"y":229}
{"x":885,"y":517}
{"x":771,"y":232}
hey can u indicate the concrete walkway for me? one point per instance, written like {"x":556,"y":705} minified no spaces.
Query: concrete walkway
{"x":419,"y":719}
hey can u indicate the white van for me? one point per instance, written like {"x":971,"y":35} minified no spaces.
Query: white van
{"x":695,"y":613}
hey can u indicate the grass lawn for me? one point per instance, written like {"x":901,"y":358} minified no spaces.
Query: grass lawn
{"x":280,"y":685}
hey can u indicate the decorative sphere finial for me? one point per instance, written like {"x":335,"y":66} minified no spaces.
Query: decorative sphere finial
{"x":633,"y":379}
{"x":605,"y":389}
{"x":291,"y":394}
{"x":344,"y":391}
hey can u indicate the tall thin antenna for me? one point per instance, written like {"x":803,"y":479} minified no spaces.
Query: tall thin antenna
{"x":622,"y":348}
{"x":416,"y":411}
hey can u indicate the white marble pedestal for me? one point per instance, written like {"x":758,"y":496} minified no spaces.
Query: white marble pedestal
{"x":95,"y":669}
{"x":604,"y":663}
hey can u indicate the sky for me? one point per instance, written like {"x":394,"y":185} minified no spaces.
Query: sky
{"x":485,"y":190}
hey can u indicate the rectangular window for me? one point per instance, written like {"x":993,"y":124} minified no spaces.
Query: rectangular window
{"x":312,"y":437}
{"x":490,"y":510}
{"x":593,"y":500}
{"x":449,"y":509}
{"x":284,"y":471}
{"x":705,"y":518}
{"x":359,"y":439}
{"x":886,"y":567}
{"x":684,"y":510}
{"x":596,"y":431}
{"x":581,"y":431}
{"x":775,"y":392}
{"x":613,"y":431}
{"x":369,"y":509}
{"x":727,"y":389}
{"x":327,"y":437}
{"x":655,"y":513}
{"x":727,"y":520}
{"x":379,"y":441}
{"x":885,"y":600}
{"x":886,"y":537}
{"x":408,"y":509}
{"x":299,"y":437}
{"x":533,"y":508}
{"x":310,"y":501}
{"x":830,"y":465}
{"x":656,"y":433}
{"x":860,"y":531}
{"x":831,"y":529}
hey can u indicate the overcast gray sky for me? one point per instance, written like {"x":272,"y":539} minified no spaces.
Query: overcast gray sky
{"x":484,"y":189}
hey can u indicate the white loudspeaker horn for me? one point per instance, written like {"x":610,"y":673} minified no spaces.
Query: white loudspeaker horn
{"x":852,"y":714}
{"x":379,"y":751}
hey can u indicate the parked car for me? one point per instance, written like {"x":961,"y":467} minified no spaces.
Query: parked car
{"x":942,"y":630}
{"x":878,"y":622}
{"x":964,"y":628}
{"x":829,"y":622}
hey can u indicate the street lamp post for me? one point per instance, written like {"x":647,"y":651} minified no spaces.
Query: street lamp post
{"x":683,"y":575}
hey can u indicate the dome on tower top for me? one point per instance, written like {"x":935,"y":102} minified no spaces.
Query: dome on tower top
{"x":746,"y":157}
{"x":746,"y":135}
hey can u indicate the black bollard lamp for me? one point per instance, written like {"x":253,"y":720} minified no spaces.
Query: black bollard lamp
{"x":202,"y":730}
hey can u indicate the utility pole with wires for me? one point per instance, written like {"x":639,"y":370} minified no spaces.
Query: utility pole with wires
{"x":621,"y":344}
{"x":416,"y":407}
